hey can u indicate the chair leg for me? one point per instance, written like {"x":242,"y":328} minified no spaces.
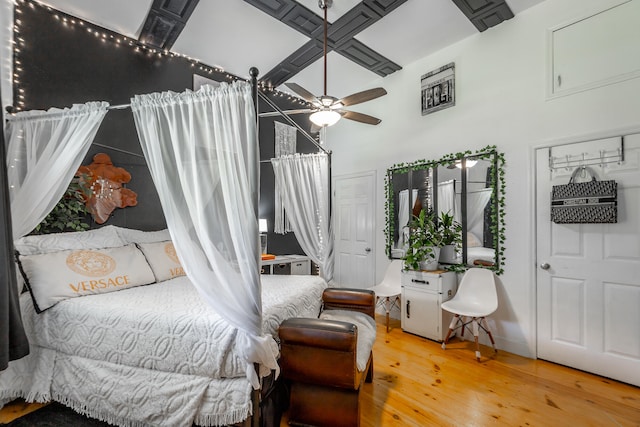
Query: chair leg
{"x":488,"y":331}
{"x":475,"y":336}
{"x":387,"y":309}
{"x":452,"y":326}
{"x":463,"y":325}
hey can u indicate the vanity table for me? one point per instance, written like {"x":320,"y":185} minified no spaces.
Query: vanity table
{"x":423,"y":292}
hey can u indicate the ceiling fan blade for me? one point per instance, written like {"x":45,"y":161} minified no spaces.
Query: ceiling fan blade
{"x":364,"y":96}
{"x":305,"y":94}
{"x":359,"y":117}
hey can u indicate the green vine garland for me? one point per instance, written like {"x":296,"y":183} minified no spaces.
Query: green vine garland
{"x":497,"y":198}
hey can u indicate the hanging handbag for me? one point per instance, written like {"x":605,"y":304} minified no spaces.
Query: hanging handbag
{"x":590,"y":202}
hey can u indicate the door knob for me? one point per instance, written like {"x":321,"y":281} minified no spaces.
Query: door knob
{"x":367,"y":250}
{"x":544,"y":266}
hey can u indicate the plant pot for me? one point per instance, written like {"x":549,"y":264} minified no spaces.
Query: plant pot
{"x":448,"y":254}
{"x":432,"y":262}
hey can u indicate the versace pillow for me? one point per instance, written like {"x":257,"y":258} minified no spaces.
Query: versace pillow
{"x":163,"y":260}
{"x":56,"y":276}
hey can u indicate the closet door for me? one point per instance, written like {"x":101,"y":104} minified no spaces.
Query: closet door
{"x":588,"y":276}
{"x":354,"y":219}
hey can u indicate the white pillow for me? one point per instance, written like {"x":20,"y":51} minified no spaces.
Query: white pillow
{"x":104,"y":237}
{"x":163,"y":260}
{"x":55,"y":276}
{"x":129,"y":235}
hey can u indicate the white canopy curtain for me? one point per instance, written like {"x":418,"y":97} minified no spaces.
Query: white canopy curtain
{"x":404,"y":213}
{"x":199,"y":147}
{"x":304,"y":181}
{"x":45,"y":149}
{"x":447,"y":202}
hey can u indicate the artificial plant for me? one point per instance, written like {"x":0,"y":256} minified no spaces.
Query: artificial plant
{"x":70,"y":213}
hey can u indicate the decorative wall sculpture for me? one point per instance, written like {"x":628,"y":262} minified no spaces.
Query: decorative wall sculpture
{"x":104,"y":180}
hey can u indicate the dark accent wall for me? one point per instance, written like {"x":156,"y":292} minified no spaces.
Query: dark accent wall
{"x":64,"y":64}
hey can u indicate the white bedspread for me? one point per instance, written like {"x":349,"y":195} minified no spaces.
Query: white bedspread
{"x":158,"y":347}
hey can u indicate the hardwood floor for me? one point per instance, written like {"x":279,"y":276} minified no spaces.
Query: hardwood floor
{"x":416,"y":383}
{"x":17,"y":409}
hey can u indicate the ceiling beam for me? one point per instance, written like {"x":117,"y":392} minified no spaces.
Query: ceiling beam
{"x":340,"y":36}
{"x":485,"y":14}
{"x":165,"y":21}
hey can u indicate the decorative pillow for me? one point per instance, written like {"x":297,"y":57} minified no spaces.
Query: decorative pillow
{"x":104,"y":237}
{"x":473,"y":241}
{"x":56,"y":276}
{"x":129,"y":235}
{"x":163,"y":260}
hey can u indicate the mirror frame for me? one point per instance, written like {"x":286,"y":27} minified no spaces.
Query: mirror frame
{"x":497,"y":201}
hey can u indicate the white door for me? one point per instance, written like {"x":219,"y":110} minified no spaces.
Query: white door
{"x":588,"y":276}
{"x":354,"y":222}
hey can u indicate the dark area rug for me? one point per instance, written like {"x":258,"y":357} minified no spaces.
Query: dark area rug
{"x":56,"y":415}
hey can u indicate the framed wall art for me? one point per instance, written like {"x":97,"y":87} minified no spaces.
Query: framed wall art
{"x":437,"y":89}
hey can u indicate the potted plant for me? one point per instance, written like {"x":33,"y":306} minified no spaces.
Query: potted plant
{"x":425,"y":241}
{"x":429,"y":237}
{"x":451,"y":237}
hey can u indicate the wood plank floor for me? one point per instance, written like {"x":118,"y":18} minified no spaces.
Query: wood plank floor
{"x":416,"y":383}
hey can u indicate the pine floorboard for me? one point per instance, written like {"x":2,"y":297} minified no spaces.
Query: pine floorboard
{"x":416,"y":383}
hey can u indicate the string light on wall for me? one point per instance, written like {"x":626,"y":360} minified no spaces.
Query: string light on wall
{"x":118,"y":41}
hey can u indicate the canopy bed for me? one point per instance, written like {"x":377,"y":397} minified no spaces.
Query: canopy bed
{"x":143,"y":347}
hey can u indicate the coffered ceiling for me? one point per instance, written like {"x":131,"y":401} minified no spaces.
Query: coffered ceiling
{"x":367,"y":39}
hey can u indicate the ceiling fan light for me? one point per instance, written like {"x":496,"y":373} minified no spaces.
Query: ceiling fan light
{"x":325,"y":118}
{"x":468,"y":163}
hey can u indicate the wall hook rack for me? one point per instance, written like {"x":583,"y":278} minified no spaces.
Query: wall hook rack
{"x":597,"y":152}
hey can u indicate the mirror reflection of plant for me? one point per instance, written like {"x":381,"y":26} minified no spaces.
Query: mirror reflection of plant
{"x":70,"y":213}
{"x":451,"y":230}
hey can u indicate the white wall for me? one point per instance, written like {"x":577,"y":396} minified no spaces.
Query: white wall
{"x":500,"y":100}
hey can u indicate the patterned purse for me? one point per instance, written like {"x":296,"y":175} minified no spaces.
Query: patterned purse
{"x":590,"y":202}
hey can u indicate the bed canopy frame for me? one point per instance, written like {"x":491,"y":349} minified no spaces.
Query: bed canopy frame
{"x":253,"y":420}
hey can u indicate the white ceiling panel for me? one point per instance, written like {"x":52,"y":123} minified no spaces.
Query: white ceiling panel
{"x":236,"y":36}
{"x":417,"y":29}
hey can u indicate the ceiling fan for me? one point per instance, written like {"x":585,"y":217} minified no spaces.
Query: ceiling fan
{"x":328,"y":109}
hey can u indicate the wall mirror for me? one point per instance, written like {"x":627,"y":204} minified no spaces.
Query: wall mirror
{"x":469,"y":186}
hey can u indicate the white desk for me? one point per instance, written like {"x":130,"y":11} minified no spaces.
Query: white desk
{"x":287,"y":264}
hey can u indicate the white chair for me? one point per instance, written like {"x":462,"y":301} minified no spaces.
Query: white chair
{"x":388,"y":291}
{"x":476,"y":298}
